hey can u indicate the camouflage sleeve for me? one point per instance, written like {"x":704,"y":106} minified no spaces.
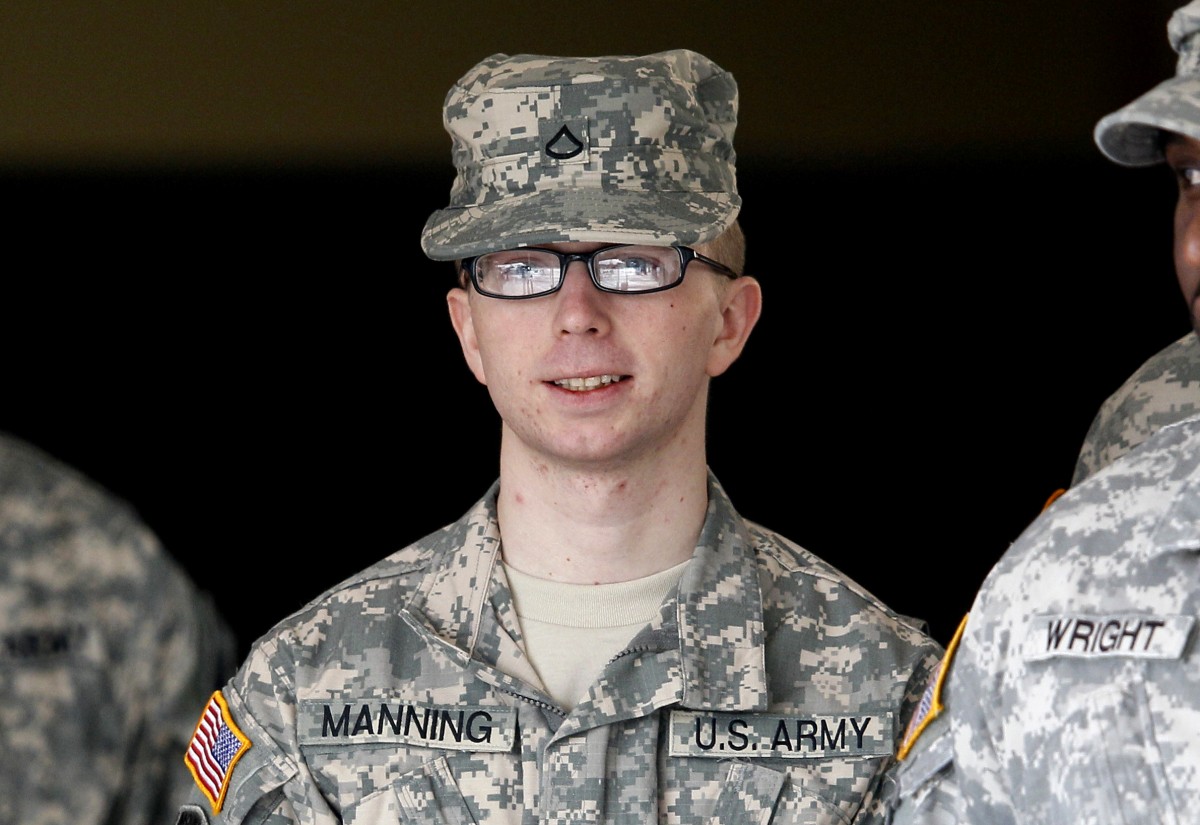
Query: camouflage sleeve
{"x":106,"y":650}
{"x":979,"y":782}
{"x":923,"y":675}
{"x":876,"y":804}
{"x":271,"y":809}
{"x":922,"y":788}
{"x":187,"y":651}
{"x":244,"y":758}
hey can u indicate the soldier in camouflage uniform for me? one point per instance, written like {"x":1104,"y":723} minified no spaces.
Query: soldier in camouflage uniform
{"x":1071,"y":693}
{"x":1074,"y":694}
{"x":1165,"y":389}
{"x":601,"y":638}
{"x":106,"y":649}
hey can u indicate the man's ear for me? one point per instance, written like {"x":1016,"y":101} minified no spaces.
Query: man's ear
{"x":741,"y":307}
{"x":458,"y":301}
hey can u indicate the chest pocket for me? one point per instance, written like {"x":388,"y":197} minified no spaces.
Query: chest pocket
{"x":425,"y":796}
{"x":748,"y":795}
{"x":1114,"y":773}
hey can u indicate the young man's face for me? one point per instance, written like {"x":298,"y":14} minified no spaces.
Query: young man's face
{"x":1183,"y":156}
{"x":587,"y":377}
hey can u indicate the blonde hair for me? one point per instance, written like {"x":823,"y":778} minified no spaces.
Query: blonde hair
{"x":729,"y":248}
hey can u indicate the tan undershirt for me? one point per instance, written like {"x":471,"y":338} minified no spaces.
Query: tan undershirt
{"x":572,"y":630}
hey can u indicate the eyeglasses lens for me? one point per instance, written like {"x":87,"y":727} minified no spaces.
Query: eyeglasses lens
{"x":523,"y":273}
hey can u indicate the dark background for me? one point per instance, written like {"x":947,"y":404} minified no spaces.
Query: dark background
{"x":216,"y":303}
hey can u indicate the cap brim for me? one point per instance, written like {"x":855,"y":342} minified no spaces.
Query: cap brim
{"x":589,"y":215}
{"x":1132,"y":135}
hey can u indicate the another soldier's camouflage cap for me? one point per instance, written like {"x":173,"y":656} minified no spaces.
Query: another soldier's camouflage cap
{"x":1132,"y":135}
{"x":617,"y":149}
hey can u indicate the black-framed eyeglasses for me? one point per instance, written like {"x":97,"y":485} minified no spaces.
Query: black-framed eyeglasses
{"x":533,"y":271}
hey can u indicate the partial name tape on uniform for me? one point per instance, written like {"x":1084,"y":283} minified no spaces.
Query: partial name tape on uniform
{"x":217,"y":744}
{"x":41,"y":642}
{"x":1087,"y":635}
{"x":795,"y":736}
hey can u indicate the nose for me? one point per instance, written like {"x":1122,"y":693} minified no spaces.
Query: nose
{"x":581,"y":307}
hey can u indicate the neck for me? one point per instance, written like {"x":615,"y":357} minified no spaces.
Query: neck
{"x":599,"y":526}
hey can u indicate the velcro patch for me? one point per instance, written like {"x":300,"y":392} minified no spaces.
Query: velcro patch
{"x":217,"y":744}
{"x":722,"y":735}
{"x":1087,"y":635}
{"x":450,"y":727}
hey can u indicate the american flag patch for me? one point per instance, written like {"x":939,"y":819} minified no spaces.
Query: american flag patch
{"x":216,"y":746}
{"x":930,"y":705}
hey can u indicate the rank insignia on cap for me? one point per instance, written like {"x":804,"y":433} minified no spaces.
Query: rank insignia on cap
{"x":931,"y":701}
{"x":564,"y":145}
{"x":217,"y":744}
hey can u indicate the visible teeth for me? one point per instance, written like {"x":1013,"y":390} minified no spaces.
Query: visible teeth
{"x":589,"y":383}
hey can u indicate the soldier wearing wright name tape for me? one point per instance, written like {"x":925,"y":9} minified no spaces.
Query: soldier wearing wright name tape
{"x":1074,"y":693}
{"x":1071,"y":693}
{"x":106,"y":648}
{"x":601,"y":637}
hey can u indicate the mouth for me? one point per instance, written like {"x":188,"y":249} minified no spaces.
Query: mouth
{"x":590,"y":383}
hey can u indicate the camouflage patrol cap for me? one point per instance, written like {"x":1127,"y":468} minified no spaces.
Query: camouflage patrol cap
{"x":618,"y":149}
{"x":1132,"y":135}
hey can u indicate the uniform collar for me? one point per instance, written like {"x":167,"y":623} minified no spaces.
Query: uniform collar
{"x":720,"y":615}
{"x":463,"y":559}
{"x":1179,"y":527}
{"x":716,"y":621}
